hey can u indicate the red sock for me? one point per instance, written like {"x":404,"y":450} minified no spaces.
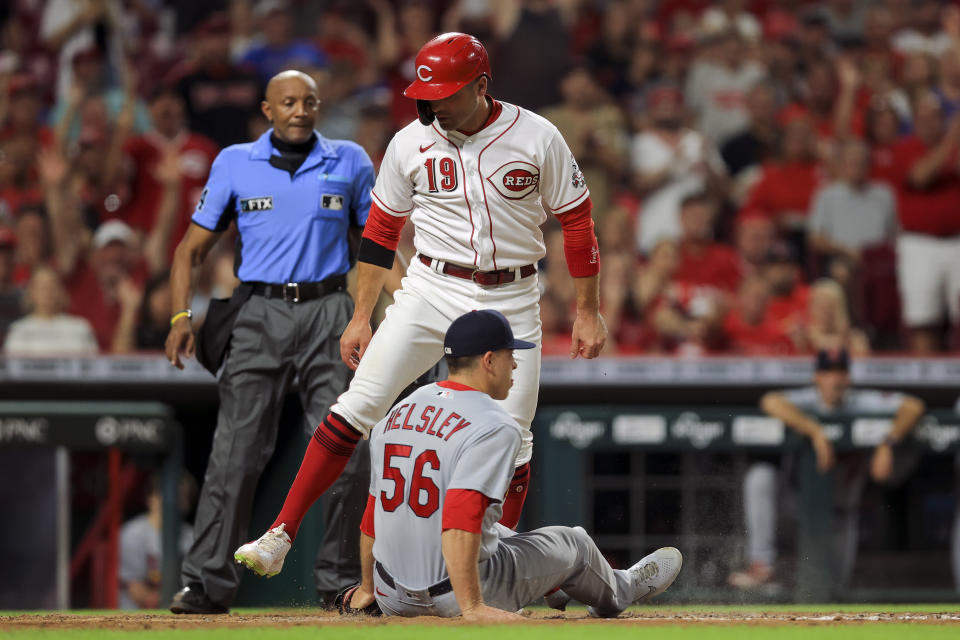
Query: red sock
{"x":516,"y":494}
{"x":327,"y":454}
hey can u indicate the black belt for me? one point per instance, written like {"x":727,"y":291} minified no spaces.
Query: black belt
{"x":439,"y":589}
{"x":300,"y":291}
{"x":486,"y":278}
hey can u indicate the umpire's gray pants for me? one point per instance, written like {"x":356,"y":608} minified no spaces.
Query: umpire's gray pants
{"x":524,"y":568}
{"x":271,"y":341}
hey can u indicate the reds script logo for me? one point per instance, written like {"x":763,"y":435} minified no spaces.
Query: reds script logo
{"x":515,"y":180}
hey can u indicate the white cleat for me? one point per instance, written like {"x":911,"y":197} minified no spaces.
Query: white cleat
{"x":651,"y":576}
{"x":264,"y":556}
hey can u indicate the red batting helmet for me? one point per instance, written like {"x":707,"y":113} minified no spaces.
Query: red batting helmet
{"x":446,"y":64}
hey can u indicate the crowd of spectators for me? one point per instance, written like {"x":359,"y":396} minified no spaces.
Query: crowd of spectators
{"x":768,"y":176}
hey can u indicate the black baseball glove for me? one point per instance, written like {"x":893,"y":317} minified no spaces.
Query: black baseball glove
{"x":343,"y":604}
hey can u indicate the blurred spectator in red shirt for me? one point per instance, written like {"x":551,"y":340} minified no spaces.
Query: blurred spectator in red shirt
{"x":882,"y":132}
{"x":20,"y":109}
{"x":33,"y":247}
{"x":18,"y":184}
{"x":747,"y":327}
{"x":754,"y":236}
{"x":786,"y":187}
{"x":789,"y":296}
{"x":218,"y":95}
{"x":11,"y":296}
{"x":703,"y":261}
{"x":928,"y":249}
{"x":193,"y":154}
{"x":105,"y":288}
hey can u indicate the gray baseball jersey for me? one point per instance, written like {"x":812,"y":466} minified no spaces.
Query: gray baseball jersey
{"x":442,"y":437}
{"x":855,"y":401}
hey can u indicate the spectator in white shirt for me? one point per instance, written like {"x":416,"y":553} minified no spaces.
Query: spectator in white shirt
{"x":47,"y":331}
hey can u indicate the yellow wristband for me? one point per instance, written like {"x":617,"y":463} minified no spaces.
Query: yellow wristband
{"x":183,"y":314}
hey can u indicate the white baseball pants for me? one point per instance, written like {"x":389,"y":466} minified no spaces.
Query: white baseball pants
{"x":410,"y":340}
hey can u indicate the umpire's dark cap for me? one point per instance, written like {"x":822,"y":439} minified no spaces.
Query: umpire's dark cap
{"x":833,"y":360}
{"x":477,"y":332}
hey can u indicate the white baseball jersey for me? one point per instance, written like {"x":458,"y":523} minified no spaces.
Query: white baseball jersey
{"x":476,"y":200}
{"x":439,"y":438}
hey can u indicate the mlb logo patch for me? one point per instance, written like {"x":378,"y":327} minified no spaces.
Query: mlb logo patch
{"x":332,"y":201}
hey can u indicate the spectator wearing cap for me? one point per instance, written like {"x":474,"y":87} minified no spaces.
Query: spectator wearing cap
{"x":11,"y":297}
{"x":18,"y":183}
{"x":731,"y":14}
{"x":852,"y":214}
{"x":47,"y":330}
{"x":218,"y":95}
{"x":595,"y":132}
{"x":717,"y":85}
{"x":669,"y":161}
{"x":149,"y":157}
{"x":105,"y":287}
{"x":704,"y":262}
{"x":927,"y":174}
{"x":280,"y":50}
{"x":805,"y":410}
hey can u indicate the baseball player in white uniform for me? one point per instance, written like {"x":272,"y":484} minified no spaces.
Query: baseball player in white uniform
{"x":440,"y":467}
{"x":476,"y":176}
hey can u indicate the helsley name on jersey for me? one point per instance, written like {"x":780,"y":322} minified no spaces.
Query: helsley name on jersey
{"x":429,"y":421}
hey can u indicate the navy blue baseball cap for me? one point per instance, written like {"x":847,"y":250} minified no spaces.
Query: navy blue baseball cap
{"x":477,"y":332}
{"x":833,"y":360}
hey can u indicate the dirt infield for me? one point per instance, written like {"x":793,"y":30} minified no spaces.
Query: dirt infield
{"x":658,"y":617}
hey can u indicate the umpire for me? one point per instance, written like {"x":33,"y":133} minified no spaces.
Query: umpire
{"x":297,"y":199}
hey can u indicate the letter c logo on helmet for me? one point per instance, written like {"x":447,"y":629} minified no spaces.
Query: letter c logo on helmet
{"x":420,"y":71}
{"x":446,"y":64}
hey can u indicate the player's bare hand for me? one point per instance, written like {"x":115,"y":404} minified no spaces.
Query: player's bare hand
{"x":180,"y":340}
{"x":589,"y":336}
{"x":485,"y":613}
{"x":823,"y":449}
{"x":881,"y":464}
{"x":354,"y":341}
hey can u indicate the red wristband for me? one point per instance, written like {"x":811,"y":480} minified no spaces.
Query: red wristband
{"x":579,"y":241}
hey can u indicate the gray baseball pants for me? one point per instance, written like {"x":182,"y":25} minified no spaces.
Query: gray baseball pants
{"x":272,"y":340}
{"x":524,"y":568}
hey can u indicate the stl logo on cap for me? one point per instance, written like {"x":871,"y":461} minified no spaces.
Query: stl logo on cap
{"x":515,"y":180}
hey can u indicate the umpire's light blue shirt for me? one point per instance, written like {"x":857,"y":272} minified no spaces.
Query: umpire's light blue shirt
{"x":292,"y":229}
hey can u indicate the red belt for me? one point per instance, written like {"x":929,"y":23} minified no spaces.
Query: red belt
{"x":486,"y":278}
